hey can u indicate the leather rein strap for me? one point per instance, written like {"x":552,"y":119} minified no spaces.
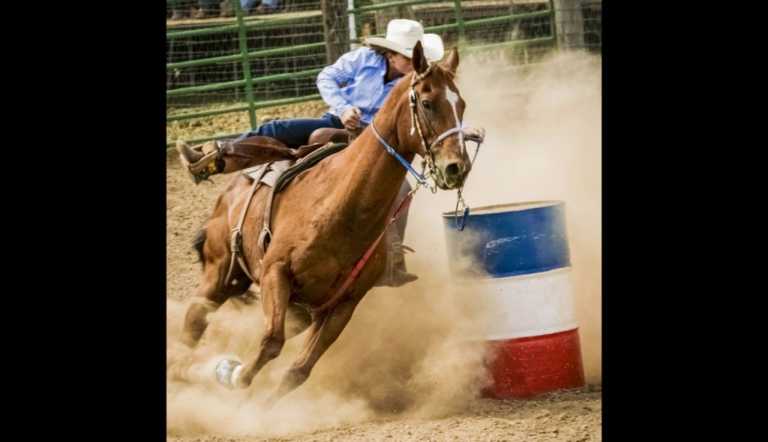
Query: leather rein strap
{"x":352,"y":276}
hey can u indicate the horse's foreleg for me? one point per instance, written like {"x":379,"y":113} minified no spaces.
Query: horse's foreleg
{"x":195,"y":321}
{"x":298,"y":321}
{"x":275,"y":293}
{"x":207,"y":300}
{"x":323,"y":333}
{"x":210,"y":295}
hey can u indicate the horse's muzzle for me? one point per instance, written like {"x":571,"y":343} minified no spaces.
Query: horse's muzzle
{"x":453,"y":174}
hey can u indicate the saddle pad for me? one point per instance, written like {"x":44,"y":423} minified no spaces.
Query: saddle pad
{"x":306,"y":163}
{"x":276,"y":168}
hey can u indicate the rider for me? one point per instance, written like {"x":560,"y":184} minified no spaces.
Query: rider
{"x":355,"y":88}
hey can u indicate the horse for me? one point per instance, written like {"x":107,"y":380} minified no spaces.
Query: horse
{"x":324,"y":221}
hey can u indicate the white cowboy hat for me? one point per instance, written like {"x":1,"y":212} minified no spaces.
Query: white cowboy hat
{"x":402,"y":36}
{"x":433,"y":47}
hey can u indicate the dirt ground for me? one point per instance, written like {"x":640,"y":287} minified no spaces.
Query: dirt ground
{"x":573,"y":416}
{"x":563,"y":416}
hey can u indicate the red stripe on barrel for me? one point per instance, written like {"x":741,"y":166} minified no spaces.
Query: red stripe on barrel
{"x":526,"y":367}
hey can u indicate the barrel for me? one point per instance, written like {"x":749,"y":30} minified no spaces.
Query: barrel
{"x":514,"y":260}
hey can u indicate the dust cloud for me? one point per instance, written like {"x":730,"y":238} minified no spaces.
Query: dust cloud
{"x":409,"y":351}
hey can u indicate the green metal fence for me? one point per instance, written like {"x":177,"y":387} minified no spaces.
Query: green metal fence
{"x":460,"y":26}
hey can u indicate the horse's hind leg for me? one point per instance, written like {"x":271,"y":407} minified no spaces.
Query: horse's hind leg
{"x":275,"y":295}
{"x":325,"y":328}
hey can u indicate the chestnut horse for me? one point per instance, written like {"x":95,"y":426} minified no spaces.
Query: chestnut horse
{"x":325,"y":220}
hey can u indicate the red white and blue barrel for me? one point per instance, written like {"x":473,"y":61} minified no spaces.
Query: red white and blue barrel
{"x":515,"y":260}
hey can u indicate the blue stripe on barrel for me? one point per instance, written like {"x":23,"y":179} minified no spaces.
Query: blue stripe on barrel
{"x":508,"y":239}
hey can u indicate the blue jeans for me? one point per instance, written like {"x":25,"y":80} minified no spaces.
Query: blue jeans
{"x":247,"y":5}
{"x":294,"y":132}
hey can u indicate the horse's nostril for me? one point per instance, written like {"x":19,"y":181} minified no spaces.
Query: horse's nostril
{"x":452,"y":169}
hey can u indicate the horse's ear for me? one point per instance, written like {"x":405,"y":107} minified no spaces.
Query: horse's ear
{"x":419,"y":61}
{"x":451,"y":62}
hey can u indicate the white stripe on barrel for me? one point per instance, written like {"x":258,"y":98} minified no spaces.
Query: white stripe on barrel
{"x":524,"y":306}
{"x":514,"y":260}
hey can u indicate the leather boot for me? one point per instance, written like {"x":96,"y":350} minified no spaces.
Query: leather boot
{"x":201,"y":161}
{"x":395,"y":273}
{"x":400,"y":275}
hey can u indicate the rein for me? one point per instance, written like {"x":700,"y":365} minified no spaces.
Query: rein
{"x":417,"y":110}
{"x":391,"y":150}
{"x":364,"y":259}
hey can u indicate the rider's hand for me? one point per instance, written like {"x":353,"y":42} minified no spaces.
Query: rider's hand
{"x":474,"y":134}
{"x":351,"y":118}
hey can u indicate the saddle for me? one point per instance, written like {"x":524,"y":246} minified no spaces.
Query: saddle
{"x":276,"y":175}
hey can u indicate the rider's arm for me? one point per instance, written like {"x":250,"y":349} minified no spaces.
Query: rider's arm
{"x":334,"y":77}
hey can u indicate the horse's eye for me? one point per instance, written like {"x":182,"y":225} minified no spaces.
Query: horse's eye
{"x":427,"y":104}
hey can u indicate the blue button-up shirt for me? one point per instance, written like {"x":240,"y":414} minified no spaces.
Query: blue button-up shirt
{"x":356,"y":79}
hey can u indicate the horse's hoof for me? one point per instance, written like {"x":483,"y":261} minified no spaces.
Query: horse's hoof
{"x":228,"y":372}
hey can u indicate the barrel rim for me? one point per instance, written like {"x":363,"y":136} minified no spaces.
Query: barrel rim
{"x":535,"y":334}
{"x":509,"y":207}
{"x":480,"y":338}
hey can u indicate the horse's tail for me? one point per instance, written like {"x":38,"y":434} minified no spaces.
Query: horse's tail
{"x":198,"y":242}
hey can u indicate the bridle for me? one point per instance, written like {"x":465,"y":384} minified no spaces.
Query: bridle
{"x":418,"y":119}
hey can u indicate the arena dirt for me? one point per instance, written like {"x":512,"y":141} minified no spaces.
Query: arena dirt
{"x":402,"y":369}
